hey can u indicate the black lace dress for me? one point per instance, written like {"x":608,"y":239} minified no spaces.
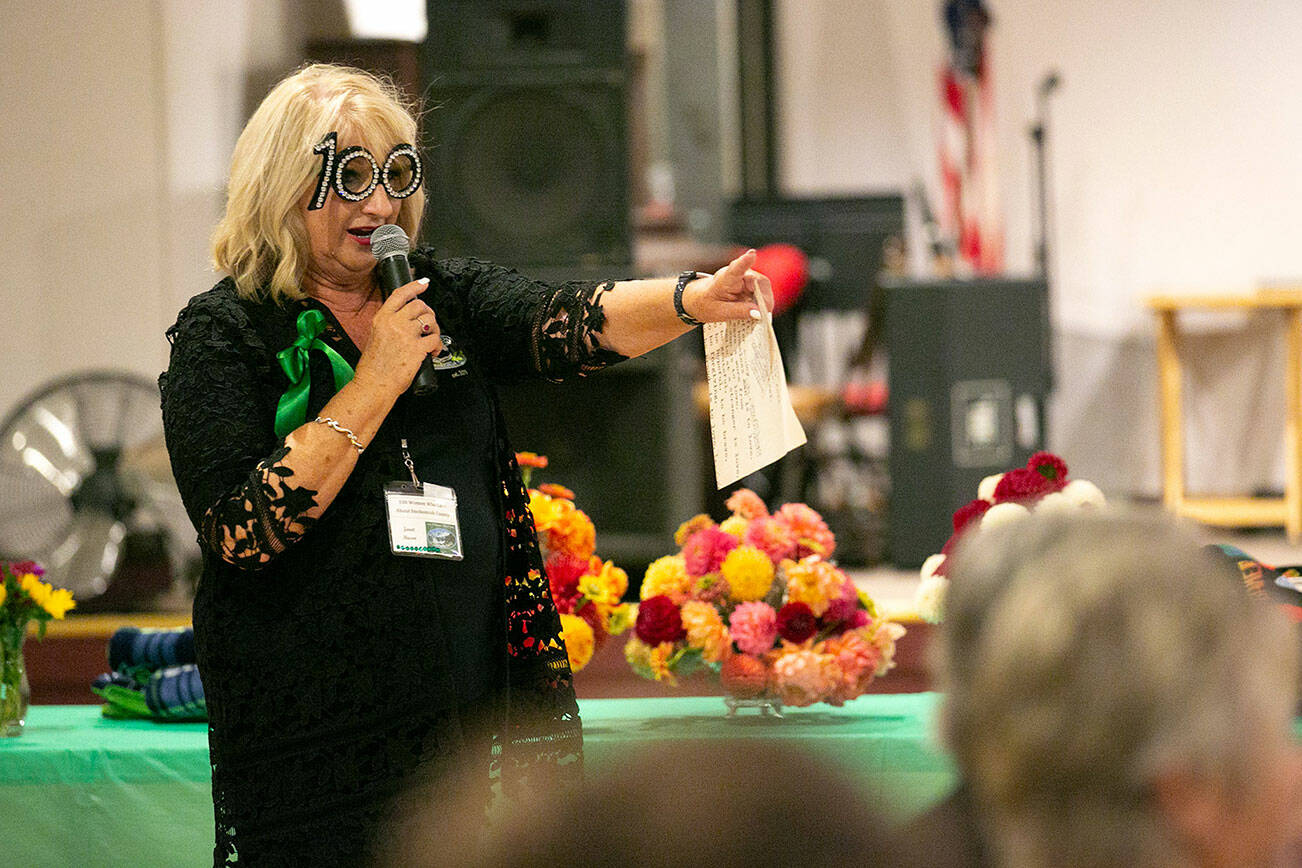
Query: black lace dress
{"x":333,"y":669}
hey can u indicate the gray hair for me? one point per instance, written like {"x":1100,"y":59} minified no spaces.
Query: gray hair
{"x":1083,"y":655}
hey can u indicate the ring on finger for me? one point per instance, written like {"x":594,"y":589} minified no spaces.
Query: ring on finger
{"x":424,"y":326}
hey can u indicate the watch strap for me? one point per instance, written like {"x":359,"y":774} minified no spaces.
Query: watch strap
{"x":683,"y":279}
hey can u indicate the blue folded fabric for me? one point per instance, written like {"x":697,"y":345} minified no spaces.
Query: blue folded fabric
{"x":175,"y":693}
{"x":132,"y":649}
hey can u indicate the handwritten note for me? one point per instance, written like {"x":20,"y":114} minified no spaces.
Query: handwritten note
{"x":752,"y":422}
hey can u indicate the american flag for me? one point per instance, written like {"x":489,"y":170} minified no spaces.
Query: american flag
{"x":968,"y":173}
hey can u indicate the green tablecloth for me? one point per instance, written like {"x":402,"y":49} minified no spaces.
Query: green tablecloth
{"x":78,"y":789}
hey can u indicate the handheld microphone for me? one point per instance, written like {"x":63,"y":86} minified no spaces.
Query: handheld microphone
{"x":389,"y":244}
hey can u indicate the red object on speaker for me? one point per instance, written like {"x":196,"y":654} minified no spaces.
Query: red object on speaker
{"x":787,"y":268}
{"x":865,"y":398}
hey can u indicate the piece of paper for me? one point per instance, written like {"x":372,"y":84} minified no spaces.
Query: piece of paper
{"x":752,"y":422}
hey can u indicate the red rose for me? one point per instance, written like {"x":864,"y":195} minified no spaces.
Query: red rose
{"x":969,"y":512}
{"x":796,"y":622}
{"x":1051,"y":467}
{"x":1022,"y":484}
{"x":658,"y":620}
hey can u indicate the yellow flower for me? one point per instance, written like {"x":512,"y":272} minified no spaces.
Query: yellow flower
{"x":572,"y":532}
{"x":59,"y":602}
{"x":650,"y":662}
{"x":544,"y":509}
{"x":604,"y":586}
{"x":691,"y":526}
{"x":638,"y":655}
{"x":668,"y":576}
{"x":659,"y":663}
{"x":735,"y":525}
{"x":579,"y":641}
{"x":621,"y":618}
{"x":749,"y":573}
{"x":4,"y":592}
{"x":705,"y":630}
{"x":35,"y":588}
{"x":814,"y":582}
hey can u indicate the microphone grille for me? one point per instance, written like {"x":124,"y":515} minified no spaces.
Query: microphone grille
{"x":389,"y":240}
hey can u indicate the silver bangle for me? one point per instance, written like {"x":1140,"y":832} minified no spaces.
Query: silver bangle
{"x":352,"y":438}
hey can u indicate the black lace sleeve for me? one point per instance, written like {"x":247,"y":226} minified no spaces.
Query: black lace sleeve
{"x":531,"y":328}
{"x":228,"y":462}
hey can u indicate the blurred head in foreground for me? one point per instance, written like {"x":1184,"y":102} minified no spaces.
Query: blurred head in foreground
{"x":739,"y":803}
{"x":1115,"y":698}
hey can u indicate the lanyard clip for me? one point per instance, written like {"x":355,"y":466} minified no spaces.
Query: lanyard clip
{"x":411,"y":465}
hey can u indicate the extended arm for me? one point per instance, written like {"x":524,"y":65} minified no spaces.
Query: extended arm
{"x":640,"y":315}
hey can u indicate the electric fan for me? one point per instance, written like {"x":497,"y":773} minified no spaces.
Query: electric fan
{"x":86,"y":490}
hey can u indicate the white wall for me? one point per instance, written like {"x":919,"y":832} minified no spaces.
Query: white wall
{"x":81,"y":146}
{"x":118,"y":123}
{"x":1173,"y":142}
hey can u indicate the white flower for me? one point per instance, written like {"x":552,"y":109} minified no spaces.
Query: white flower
{"x":929,"y":566}
{"x":1084,"y":493}
{"x":986,"y":490}
{"x":929,"y":599}
{"x":1003,"y":513}
{"x":1055,"y":502}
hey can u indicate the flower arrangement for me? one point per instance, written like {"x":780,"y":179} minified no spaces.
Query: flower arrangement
{"x":1042,"y":485}
{"x":23,"y":598}
{"x":757,"y":599}
{"x":587,"y":590}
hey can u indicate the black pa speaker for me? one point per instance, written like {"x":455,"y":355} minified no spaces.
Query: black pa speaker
{"x":527,"y":132}
{"x":625,"y":440}
{"x":969,"y":376}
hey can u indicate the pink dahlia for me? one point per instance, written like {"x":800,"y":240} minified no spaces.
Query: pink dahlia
{"x":754,"y":627}
{"x":857,"y":659}
{"x":811,"y":533}
{"x":771,"y":537}
{"x":747,"y":504}
{"x":705,"y":550}
{"x":803,"y":677}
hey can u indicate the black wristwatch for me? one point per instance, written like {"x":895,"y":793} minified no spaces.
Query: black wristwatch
{"x":683,"y":279}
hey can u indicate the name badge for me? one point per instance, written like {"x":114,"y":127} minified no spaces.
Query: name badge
{"x":423,"y":520}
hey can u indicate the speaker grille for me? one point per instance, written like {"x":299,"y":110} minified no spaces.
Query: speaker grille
{"x":531,"y":174}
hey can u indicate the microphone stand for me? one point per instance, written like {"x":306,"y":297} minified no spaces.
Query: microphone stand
{"x":1039,"y":138}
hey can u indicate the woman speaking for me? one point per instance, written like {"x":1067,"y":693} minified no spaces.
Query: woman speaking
{"x":372,"y":599}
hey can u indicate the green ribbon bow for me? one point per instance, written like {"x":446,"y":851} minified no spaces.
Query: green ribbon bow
{"x":291,"y":411}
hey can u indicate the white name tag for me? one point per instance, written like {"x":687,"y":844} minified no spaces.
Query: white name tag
{"x":423,"y":520}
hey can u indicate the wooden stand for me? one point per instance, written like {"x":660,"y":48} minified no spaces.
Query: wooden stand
{"x":1229,"y":511}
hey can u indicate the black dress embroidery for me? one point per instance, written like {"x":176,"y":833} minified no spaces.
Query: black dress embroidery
{"x":326,"y":675}
{"x":261,"y":518}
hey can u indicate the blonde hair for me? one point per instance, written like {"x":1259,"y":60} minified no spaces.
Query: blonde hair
{"x":261,"y":240}
{"x":1083,"y":656}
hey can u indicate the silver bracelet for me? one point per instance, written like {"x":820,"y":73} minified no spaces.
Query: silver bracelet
{"x":352,"y":438}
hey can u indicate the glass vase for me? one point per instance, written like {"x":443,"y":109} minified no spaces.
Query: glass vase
{"x":15,"y":692}
{"x":766,"y":704}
